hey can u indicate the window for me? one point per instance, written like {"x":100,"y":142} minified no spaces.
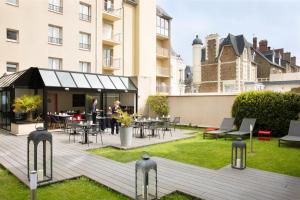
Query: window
{"x":107,"y":57}
{"x":108,"y":5}
{"x":107,"y":31}
{"x":84,"y":12}
{"x":162,"y":26}
{"x":54,"y":34}
{"x":55,"y":6}
{"x":13,"y":2}
{"x":85,"y":41}
{"x":12,"y":67}
{"x":55,"y":63}
{"x":85,"y":66}
{"x":12,"y":35}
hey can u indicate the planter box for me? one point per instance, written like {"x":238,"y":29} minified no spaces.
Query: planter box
{"x":24,"y":129}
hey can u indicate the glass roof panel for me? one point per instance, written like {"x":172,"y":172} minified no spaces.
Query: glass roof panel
{"x":94,"y":81}
{"x":80,"y":80}
{"x":128,"y":83}
{"x":106,"y":82}
{"x":118,"y":83}
{"x":49,"y":78}
{"x":65,"y":79}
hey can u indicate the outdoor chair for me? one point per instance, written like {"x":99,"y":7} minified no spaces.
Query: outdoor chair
{"x":153,"y":128}
{"x":55,"y":121}
{"x":166,"y":128}
{"x":244,"y":128}
{"x":68,"y":125}
{"x":175,"y":121}
{"x":293,"y":134}
{"x":74,"y":131}
{"x":94,"y":131}
{"x":226,"y":126}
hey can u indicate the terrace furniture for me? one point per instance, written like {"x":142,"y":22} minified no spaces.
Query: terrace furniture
{"x":95,"y":130}
{"x":293,"y":134}
{"x":175,"y":121}
{"x":226,"y":126}
{"x":244,"y":128}
{"x":264,"y":135}
{"x":55,"y":121}
{"x":153,"y":129}
{"x":74,"y":131}
{"x":166,"y":128}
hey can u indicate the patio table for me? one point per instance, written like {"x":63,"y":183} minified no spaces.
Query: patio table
{"x":86,"y":127}
{"x":145,"y":122}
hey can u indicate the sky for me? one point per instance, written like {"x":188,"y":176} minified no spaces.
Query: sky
{"x":278,"y":21}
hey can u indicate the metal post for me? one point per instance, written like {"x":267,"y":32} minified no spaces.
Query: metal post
{"x":251,"y":133}
{"x":33,"y":185}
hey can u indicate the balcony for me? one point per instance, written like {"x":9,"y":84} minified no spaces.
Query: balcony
{"x":110,"y":13}
{"x":55,"y":40}
{"x":84,"y":17}
{"x":111,"y":64}
{"x":162,"y":88}
{"x":112,"y":40}
{"x":55,"y":8}
{"x":163,"y":72}
{"x":84,"y":46}
{"x":162,"y":53}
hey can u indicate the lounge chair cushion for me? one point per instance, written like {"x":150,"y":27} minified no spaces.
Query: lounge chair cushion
{"x":238,"y":133}
{"x":291,"y":138}
{"x":216,"y":132}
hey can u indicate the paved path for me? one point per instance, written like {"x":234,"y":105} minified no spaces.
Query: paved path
{"x":70,"y":160}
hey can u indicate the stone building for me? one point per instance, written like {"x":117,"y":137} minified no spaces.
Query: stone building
{"x":223,"y":65}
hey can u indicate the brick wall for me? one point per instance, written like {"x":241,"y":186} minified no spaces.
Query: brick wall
{"x":211,"y":51}
{"x":263,"y":67}
{"x":208,"y":87}
{"x":209,"y":72}
{"x":228,"y":71}
{"x":228,"y":54}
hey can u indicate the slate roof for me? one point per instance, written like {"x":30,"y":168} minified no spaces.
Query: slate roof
{"x":197,"y":40}
{"x":238,"y":43}
{"x":264,"y":57}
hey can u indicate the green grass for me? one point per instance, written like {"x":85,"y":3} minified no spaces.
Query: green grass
{"x":215,"y":154}
{"x":80,"y":189}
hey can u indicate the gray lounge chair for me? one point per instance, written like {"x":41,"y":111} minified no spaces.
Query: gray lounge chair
{"x":244,"y":129}
{"x":294,"y":133}
{"x":226,"y":126}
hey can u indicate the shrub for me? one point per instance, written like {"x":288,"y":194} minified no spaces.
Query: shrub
{"x":27,"y":104}
{"x":273,"y":110}
{"x":158,"y":104}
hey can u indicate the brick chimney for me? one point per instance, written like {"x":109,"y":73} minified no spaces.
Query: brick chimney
{"x":279,"y":51}
{"x":263,"y":45}
{"x":287,"y":56}
{"x":293,"y":60}
{"x":254,"y":42}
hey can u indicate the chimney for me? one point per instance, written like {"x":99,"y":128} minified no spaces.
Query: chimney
{"x":263,"y":45}
{"x":254,"y":42}
{"x":287,"y":56}
{"x":293,"y":60}
{"x":269,"y":48}
{"x":279,"y":51}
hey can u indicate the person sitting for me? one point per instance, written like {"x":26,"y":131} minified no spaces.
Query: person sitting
{"x":77,"y":116}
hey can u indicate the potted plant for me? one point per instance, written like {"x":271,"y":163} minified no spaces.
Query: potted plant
{"x":125,"y":130}
{"x":27,"y":104}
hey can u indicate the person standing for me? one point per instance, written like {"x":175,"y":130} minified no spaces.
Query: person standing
{"x":115,"y":114}
{"x":94,"y":110}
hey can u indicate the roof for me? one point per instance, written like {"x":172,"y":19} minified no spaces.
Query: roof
{"x":67,"y":79}
{"x":238,"y":43}
{"x":265,"y":58}
{"x":162,"y":13}
{"x":197,"y":40}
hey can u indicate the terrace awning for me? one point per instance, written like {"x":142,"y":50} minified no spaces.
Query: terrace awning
{"x":67,"y":79}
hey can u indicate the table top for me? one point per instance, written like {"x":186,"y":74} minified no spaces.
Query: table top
{"x":56,"y":115}
{"x":148,"y":120}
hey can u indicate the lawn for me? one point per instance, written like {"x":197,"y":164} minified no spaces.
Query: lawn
{"x":84,"y":189}
{"x":215,"y":154}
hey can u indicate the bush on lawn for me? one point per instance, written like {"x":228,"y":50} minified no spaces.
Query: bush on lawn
{"x":273,"y":110}
{"x":159,"y":104}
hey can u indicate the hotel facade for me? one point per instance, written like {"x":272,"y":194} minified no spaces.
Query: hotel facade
{"x":112,"y":37}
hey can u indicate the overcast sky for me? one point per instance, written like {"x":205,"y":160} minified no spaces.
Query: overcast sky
{"x":278,"y":21}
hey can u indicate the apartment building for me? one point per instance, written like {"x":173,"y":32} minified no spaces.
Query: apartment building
{"x":222,"y":65}
{"x":177,"y":74}
{"x":115,"y":37}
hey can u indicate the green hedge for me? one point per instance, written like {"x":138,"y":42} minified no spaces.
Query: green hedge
{"x":158,"y":104}
{"x":273,"y":110}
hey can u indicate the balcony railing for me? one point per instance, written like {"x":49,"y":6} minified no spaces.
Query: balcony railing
{"x":163,"y":71}
{"x":55,"y":40}
{"x":84,"y":46}
{"x":110,"y":9}
{"x":55,"y":8}
{"x":110,"y":62}
{"x":84,"y":17}
{"x":162,"y":52}
{"x":263,"y":79}
{"x":162,"y":89}
{"x":114,"y":37}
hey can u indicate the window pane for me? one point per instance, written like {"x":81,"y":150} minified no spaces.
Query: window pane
{"x":15,"y":2}
{"x":12,"y":34}
{"x":11,"y":67}
{"x":65,"y":79}
{"x":127,"y":82}
{"x":118,"y":83}
{"x":49,"y":78}
{"x":80,"y":80}
{"x":94,"y":81}
{"x":106,"y":82}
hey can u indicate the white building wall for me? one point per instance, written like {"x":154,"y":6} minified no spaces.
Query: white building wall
{"x":177,"y":75}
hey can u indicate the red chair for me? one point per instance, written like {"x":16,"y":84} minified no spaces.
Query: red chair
{"x":264,"y":135}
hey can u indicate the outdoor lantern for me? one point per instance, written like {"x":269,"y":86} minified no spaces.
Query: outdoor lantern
{"x":39,"y":155}
{"x":238,"y":154}
{"x":146,"y":179}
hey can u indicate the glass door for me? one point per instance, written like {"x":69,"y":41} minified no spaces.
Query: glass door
{"x":5,"y":110}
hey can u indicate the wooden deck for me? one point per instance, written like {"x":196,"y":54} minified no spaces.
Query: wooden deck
{"x":70,"y":161}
